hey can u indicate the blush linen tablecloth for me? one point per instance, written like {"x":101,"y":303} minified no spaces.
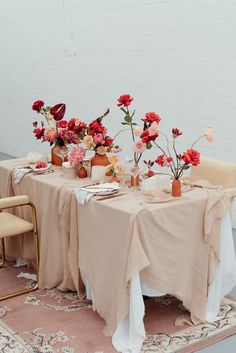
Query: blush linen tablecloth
{"x":173,"y":247}
{"x":56,"y":207}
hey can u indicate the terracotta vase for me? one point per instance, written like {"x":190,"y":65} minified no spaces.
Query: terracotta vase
{"x":176,"y":188}
{"x":55,"y":159}
{"x":98,"y":159}
{"x":82,"y":172}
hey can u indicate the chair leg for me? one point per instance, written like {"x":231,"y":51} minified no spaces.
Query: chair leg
{"x":3,"y":259}
{"x":27,"y":290}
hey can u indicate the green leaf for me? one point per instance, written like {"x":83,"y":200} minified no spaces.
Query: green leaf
{"x":123,"y":110}
{"x":149,"y":146}
{"x":128,"y":119}
{"x":186,"y":167}
{"x":123,"y":123}
{"x":132,"y":114}
{"x":133,"y":124}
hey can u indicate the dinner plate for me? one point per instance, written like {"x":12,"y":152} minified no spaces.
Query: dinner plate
{"x":103,"y":189}
{"x":40,"y":170}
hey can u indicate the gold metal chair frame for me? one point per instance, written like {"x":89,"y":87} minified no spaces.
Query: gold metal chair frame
{"x":36,"y":249}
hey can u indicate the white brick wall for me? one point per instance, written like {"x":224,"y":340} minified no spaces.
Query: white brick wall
{"x":177,"y":58}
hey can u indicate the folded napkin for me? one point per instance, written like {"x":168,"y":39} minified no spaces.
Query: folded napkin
{"x":19,"y":173}
{"x":84,"y":194}
{"x":34,"y":157}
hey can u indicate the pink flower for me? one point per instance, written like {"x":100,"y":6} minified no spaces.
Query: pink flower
{"x":209,"y":135}
{"x":98,"y":138}
{"x":101,"y":150}
{"x":139,"y":147}
{"x":153,"y":129}
{"x":76,"y":156}
{"x":138,"y":131}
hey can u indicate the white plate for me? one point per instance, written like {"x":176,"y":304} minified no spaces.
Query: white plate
{"x":40,"y":170}
{"x":103,"y":189}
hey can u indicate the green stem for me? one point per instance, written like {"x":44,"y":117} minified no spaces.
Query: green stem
{"x":119,"y":133}
{"x":197,"y":141}
{"x":130,"y":124}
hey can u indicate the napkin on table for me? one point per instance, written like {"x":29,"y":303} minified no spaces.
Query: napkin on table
{"x":84,"y":194}
{"x":19,"y":173}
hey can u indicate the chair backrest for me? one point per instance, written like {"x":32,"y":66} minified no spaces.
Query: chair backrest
{"x":216,"y":171}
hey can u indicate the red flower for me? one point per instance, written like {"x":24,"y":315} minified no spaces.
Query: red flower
{"x":80,"y":127}
{"x":176,"y":132}
{"x":58,"y":111}
{"x":108,"y":141}
{"x":96,"y":127}
{"x":38,"y":133}
{"x":37,"y":105}
{"x":150,"y":173}
{"x":164,"y":161}
{"x":160,"y":160}
{"x":124,"y":100}
{"x":146,"y":138}
{"x":191,"y":156}
{"x":151,"y":117}
{"x":62,"y":124}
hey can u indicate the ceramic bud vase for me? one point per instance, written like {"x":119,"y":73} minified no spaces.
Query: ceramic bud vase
{"x":134,"y":178}
{"x":99,"y":159}
{"x":176,"y":188}
{"x":82,"y":172}
{"x":114,"y":179}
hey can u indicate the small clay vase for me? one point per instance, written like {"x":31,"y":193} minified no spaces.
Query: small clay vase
{"x":82,"y":173}
{"x":176,"y":188}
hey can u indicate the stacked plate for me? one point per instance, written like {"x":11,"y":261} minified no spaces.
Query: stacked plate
{"x":102,"y":189}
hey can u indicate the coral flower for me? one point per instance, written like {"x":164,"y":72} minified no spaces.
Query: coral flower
{"x":209,"y":135}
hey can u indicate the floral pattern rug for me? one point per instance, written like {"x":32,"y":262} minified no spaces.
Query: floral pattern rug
{"x":51,"y":321}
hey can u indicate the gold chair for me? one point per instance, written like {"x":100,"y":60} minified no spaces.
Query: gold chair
{"x":11,"y":225}
{"x":217,"y":172}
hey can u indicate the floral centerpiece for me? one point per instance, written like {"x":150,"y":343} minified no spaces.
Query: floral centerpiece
{"x":179,"y":162}
{"x":54,"y":129}
{"x":97,"y":139}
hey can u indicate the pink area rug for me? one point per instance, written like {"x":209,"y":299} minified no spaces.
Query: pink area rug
{"x":52,"y":321}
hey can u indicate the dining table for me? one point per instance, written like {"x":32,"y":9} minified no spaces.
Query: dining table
{"x":117,"y":249}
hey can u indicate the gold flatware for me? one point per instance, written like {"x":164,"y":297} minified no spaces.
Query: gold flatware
{"x":111,"y":196}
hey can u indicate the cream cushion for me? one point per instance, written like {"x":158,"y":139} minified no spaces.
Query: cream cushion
{"x":215,"y":171}
{"x":218,"y":172}
{"x":12,"y":225}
